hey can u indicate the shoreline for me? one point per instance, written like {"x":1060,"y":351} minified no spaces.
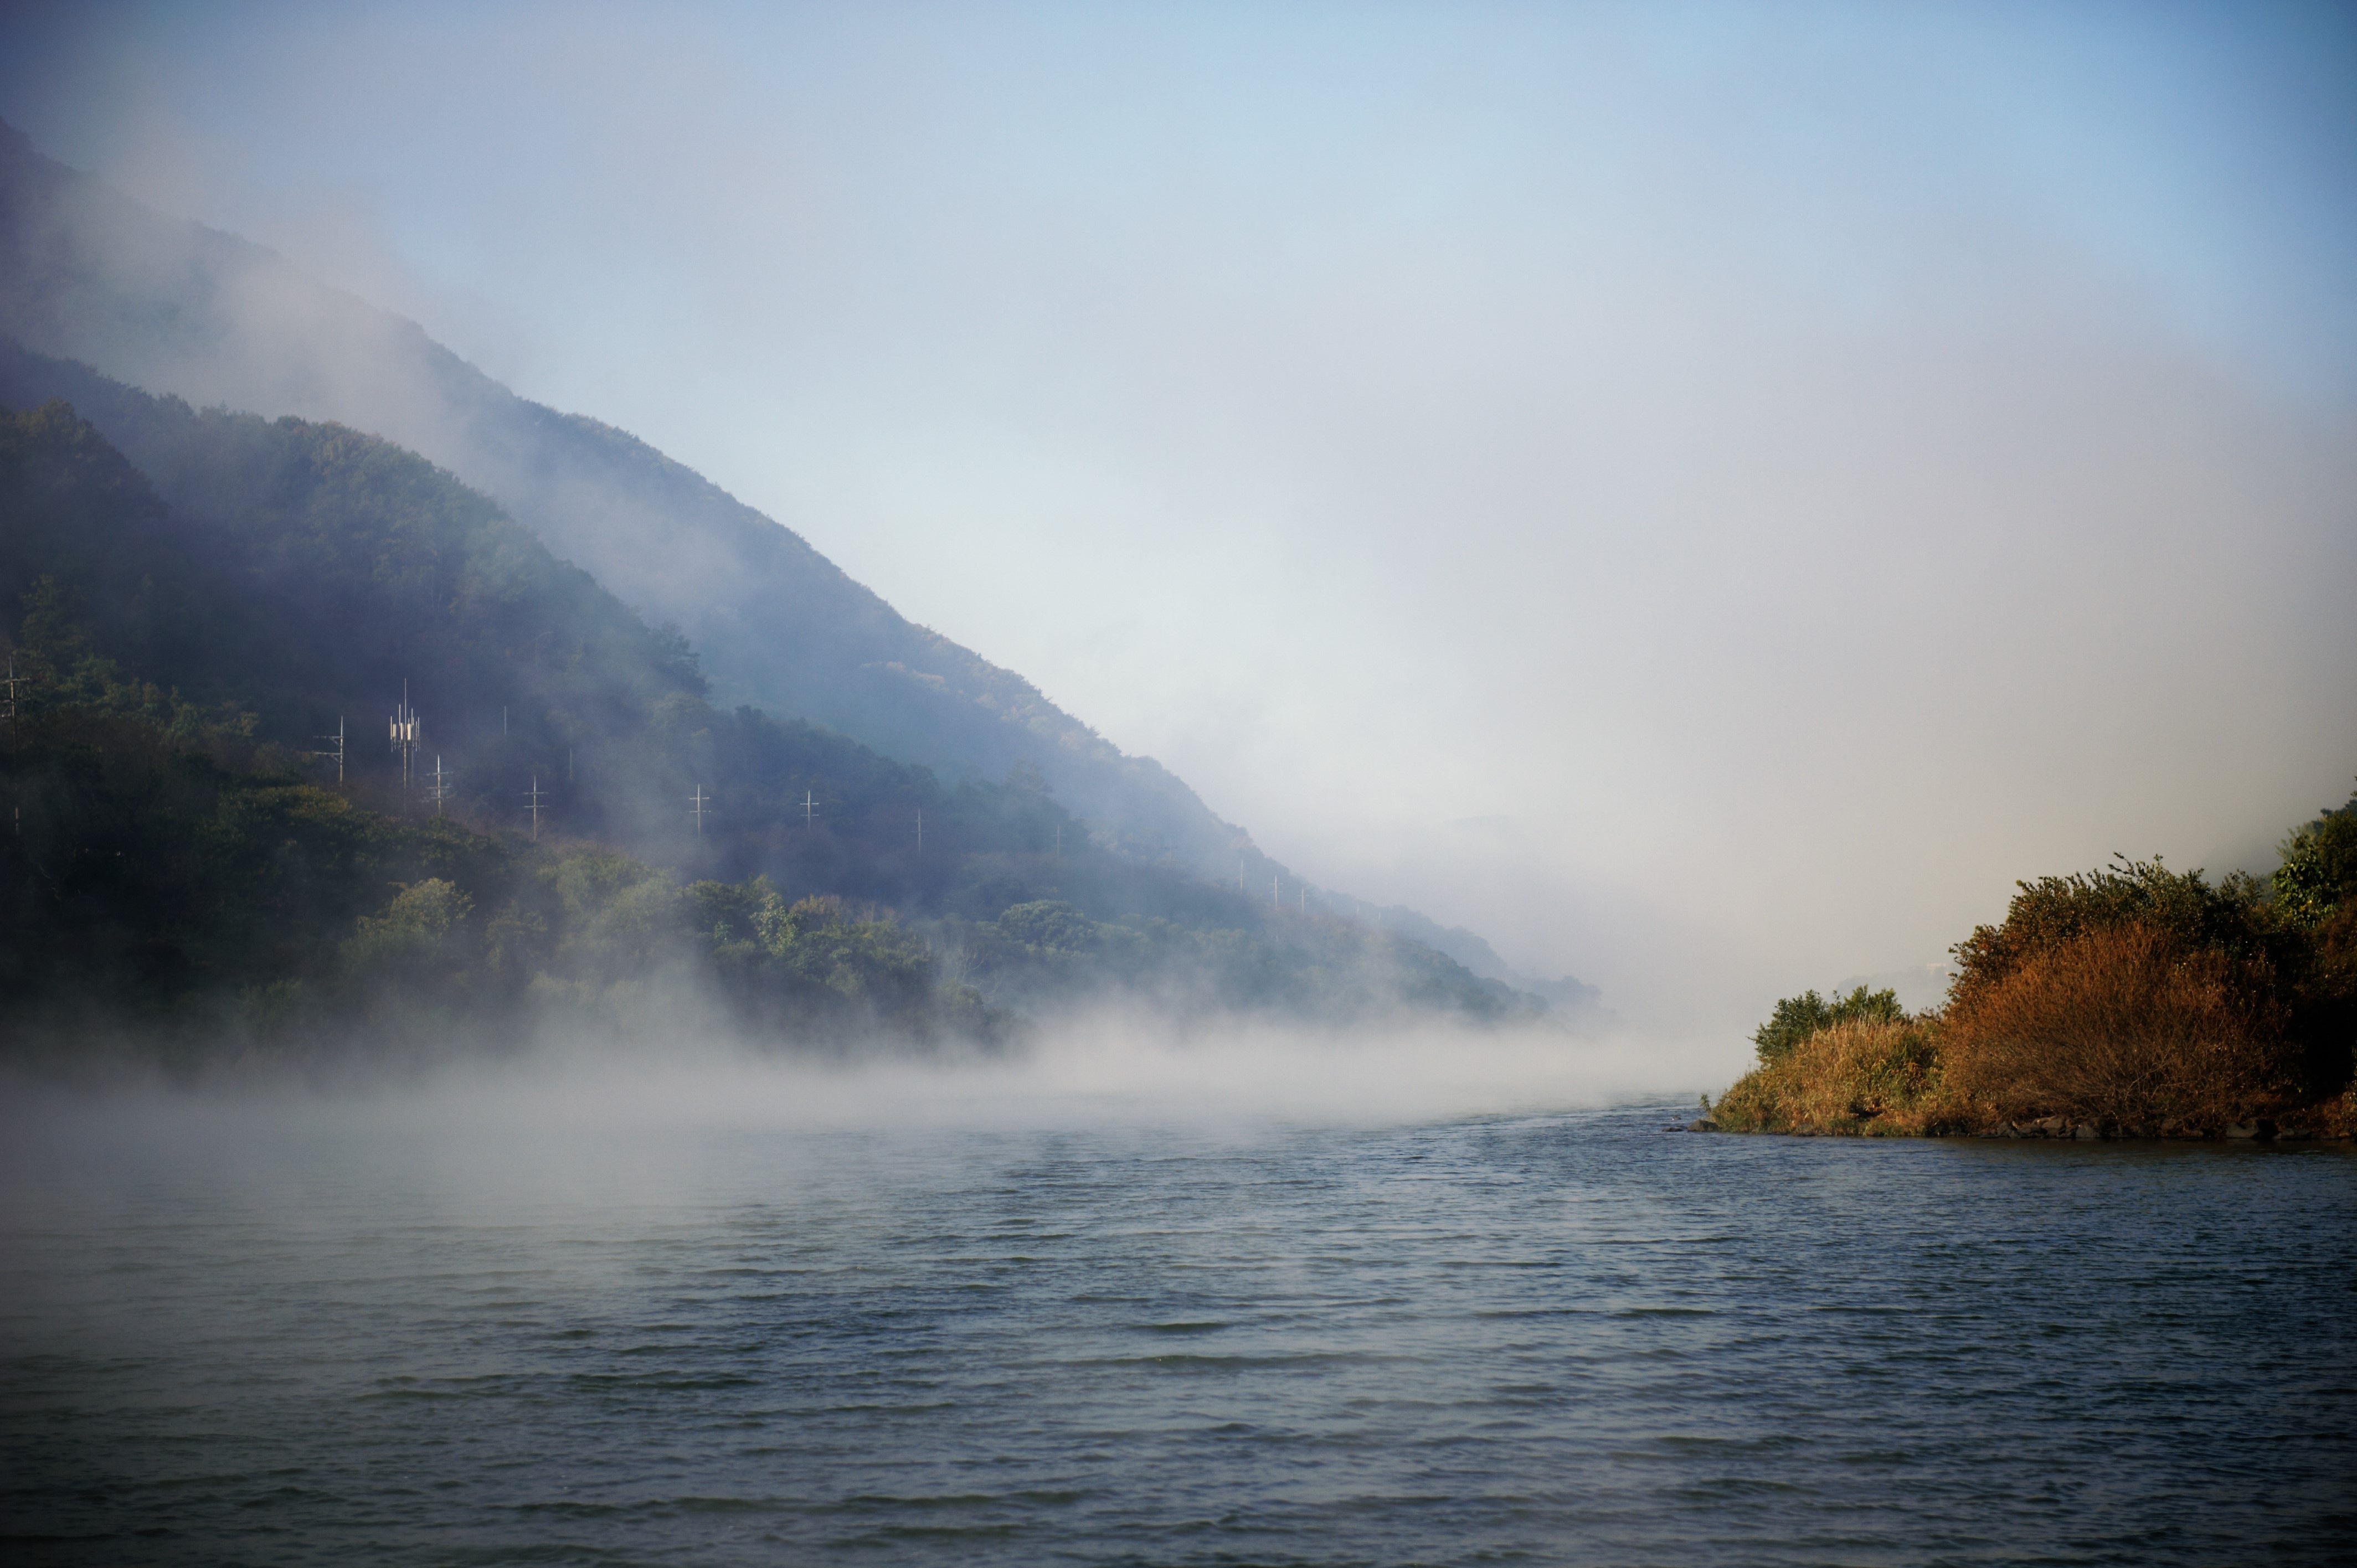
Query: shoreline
{"x":2058,"y":1129}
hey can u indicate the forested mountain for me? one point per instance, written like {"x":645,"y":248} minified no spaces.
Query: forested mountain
{"x":175,"y":308}
{"x":169,"y":305}
{"x":189,"y":621}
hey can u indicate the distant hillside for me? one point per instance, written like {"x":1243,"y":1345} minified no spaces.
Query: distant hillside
{"x":172,"y":307}
{"x":1571,"y":998}
{"x":306,"y":573}
{"x":187,"y":626}
{"x":175,"y":308}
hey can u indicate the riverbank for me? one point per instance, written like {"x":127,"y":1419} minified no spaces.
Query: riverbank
{"x":2129,"y":1001}
{"x":2263,"y":1131}
{"x":1897,"y":1078}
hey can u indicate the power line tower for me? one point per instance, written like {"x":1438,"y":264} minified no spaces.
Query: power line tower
{"x":406,"y":735}
{"x":810,"y":811}
{"x":441,"y":784}
{"x":337,"y":755}
{"x":697,"y":809}
{"x":532,"y":798}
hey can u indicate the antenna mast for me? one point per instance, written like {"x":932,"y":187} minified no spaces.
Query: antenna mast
{"x":406,"y":736}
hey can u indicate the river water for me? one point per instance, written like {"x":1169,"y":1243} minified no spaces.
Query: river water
{"x":1568,"y":1337}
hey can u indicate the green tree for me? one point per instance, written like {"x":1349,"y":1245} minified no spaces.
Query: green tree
{"x":1797,"y":1017}
{"x":2319,"y":868}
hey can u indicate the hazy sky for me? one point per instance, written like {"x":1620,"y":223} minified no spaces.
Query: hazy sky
{"x":1707,"y":496}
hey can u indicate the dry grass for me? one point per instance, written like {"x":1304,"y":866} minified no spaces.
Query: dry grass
{"x":2121,"y":1024}
{"x":1868,"y":1077}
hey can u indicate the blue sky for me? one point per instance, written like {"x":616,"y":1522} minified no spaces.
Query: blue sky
{"x":1707,"y":494}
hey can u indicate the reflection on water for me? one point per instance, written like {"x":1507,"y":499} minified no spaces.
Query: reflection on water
{"x":1547,"y":1338}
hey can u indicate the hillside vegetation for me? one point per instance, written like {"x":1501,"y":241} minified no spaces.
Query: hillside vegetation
{"x":183,"y":861}
{"x":2128,"y":1000}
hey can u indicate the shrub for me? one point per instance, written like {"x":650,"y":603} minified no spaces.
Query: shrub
{"x":2230,"y":918}
{"x":2128,"y":1023}
{"x":1798,"y":1017}
{"x":1877,"y":1074}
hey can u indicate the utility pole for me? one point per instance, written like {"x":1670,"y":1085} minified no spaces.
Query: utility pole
{"x":810,"y":811}
{"x":1273,"y":902}
{"x":12,"y":682}
{"x":441,"y":785}
{"x":339,"y":753}
{"x":920,"y":829}
{"x":696,"y":809}
{"x":406,"y":736}
{"x":532,"y":798}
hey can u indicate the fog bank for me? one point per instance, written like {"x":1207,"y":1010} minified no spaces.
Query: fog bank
{"x":1110,"y":1068}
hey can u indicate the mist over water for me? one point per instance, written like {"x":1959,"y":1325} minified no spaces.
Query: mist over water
{"x":1017,"y":1313}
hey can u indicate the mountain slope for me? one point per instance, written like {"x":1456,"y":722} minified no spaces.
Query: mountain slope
{"x":189,"y":617}
{"x":176,"y":308}
{"x":87,"y":273}
{"x":304,"y":572}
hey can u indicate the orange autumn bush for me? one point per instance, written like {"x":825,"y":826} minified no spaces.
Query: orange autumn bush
{"x":2129,"y":1025}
